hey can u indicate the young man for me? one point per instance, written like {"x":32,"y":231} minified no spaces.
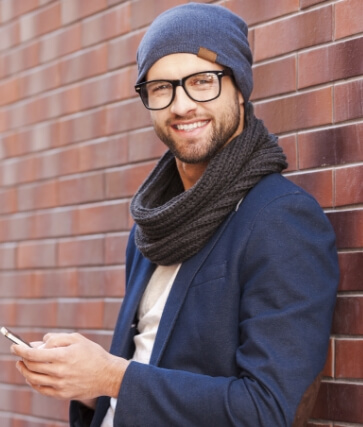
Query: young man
{"x":231,"y":269}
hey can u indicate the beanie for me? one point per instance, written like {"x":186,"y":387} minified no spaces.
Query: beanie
{"x":211,"y":32}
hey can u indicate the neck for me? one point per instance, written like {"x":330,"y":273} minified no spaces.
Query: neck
{"x":190,"y":173}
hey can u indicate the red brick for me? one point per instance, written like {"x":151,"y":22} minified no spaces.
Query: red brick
{"x":70,"y":40}
{"x":125,"y":181}
{"x":94,"y":93}
{"x":108,"y":88}
{"x":90,"y":7}
{"x":288,"y":144}
{"x":98,"y":218}
{"x":15,"y":400}
{"x":9,"y":91}
{"x":70,"y":11}
{"x":290,"y":34}
{"x":122,"y":51}
{"x":8,"y":201}
{"x":348,"y":18}
{"x":144,"y":145}
{"x":87,"y":64}
{"x":112,"y":309}
{"x":104,"y":153}
{"x":329,"y":364}
{"x":30,"y":55}
{"x":114,"y":284}
{"x":9,"y":35}
{"x":319,"y":184}
{"x":348,"y":226}
{"x":36,"y":313}
{"x":297,"y":112}
{"x":54,"y":283}
{"x":104,"y":26}
{"x":43,"y":406}
{"x":260,"y":10}
{"x":331,"y":63}
{"x":6,"y":11}
{"x":349,"y":188}
{"x":115,"y":248}
{"x":332,"y":146}
{"x":89,"y":125}
{"x":4,"y":120}
{"x":128,"y":111}
{"x":38,"y":196}
{"x":339,"y":402}
{"x":47,"y":165}
{"x":318,"y":424}
{"x":69,"y":160}
{"x":48,"y":19}
{"x":351,"y":272}
{"x":53,"y":223}
{"x":16,"y":227}
{"x":36,"y":254}
{"x":70,"y":100}
{"x":348,"y":316}
{"x":81,"y":189}
{"x":101,"y":282}
{"x":349,"y":360}
{"x":81,"y":251}
{"x":17,"y":284}
{"x":7,"y":256}
{"x":81,"y":314}
{"x":23,"y":7}
{"x":307,"y":3}
{"x":7,"y":315}
{"x":91,"y":282}
{"x":348,"y":101}
{"x":274,"y":78}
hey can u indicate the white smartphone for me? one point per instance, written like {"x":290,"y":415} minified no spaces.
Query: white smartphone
{"x":13,"y":337}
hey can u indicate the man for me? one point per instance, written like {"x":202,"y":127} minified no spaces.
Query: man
{"x":231,"y":269}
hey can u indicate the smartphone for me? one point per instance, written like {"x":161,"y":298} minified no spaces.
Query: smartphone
{"x":13,"y":337}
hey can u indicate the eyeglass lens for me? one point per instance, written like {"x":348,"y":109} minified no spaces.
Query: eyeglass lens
{"x":201,"y":87}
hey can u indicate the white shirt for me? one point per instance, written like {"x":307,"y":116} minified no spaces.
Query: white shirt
{"x":149,"y":314}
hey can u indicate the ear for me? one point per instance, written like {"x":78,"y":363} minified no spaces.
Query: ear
{"x":240,"y":99}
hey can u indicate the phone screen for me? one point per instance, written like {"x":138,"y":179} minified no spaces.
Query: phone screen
{"x":13,"y":337}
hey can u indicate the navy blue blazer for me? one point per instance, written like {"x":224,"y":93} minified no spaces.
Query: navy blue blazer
{"x":245,"y":329}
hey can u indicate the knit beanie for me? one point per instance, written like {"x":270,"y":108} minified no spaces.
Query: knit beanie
{"x":211,"y":32}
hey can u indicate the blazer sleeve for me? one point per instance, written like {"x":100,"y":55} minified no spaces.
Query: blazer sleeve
{"x":288,"y":275}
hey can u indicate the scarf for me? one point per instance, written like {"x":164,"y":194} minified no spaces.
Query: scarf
{"x":172,"y":225}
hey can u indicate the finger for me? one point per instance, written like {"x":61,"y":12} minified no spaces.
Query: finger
{"x":39,"y":354}
{"x":37,"y":344}
{"x":52,"y":340}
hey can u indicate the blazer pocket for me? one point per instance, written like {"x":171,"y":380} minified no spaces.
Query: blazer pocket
{"x":210,"y":273}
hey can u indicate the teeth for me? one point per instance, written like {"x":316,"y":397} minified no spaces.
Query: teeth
{"x":191,"y":126}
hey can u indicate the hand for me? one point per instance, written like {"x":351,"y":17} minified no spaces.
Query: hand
{"x":70,"y":366}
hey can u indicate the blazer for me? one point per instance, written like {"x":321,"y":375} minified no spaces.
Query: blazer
{"x":244,"y":334}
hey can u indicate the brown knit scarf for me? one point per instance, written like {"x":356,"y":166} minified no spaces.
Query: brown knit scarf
{"x":173,"y":224}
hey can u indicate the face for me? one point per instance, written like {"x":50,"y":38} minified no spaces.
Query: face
{"x":195,"y":131}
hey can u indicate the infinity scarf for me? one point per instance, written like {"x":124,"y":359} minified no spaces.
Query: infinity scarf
{"x":173,"y":224}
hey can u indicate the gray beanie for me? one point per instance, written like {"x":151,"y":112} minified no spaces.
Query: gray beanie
{"x":210,"y":31}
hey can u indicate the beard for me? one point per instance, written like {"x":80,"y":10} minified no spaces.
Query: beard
{"x":192,"y":151}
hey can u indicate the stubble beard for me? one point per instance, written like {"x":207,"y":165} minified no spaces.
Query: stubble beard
{"x":201,"y":153}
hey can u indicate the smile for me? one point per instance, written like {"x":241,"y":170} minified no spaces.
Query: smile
{"x":191,"y":126}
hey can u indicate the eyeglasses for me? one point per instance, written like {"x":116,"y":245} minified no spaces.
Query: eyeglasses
{"x":200,"y":87}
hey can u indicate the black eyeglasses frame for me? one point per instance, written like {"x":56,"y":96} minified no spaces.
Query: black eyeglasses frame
{"x":180,"y":82}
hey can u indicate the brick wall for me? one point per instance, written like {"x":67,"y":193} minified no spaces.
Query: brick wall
{"x":75,"y":143}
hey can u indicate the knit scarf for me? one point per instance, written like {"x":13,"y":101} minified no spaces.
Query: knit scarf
{"x":173,"y":224}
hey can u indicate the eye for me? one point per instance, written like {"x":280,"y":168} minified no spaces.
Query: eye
{"x":202,"y":81}
{"x":159,"y":87}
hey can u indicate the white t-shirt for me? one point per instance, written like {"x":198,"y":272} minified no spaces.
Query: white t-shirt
{"x":149,"y":314}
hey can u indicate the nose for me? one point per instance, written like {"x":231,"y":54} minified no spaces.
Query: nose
{"x":182,"y":104}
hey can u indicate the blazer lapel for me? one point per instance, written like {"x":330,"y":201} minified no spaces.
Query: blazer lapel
{"x":125,"y":326}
